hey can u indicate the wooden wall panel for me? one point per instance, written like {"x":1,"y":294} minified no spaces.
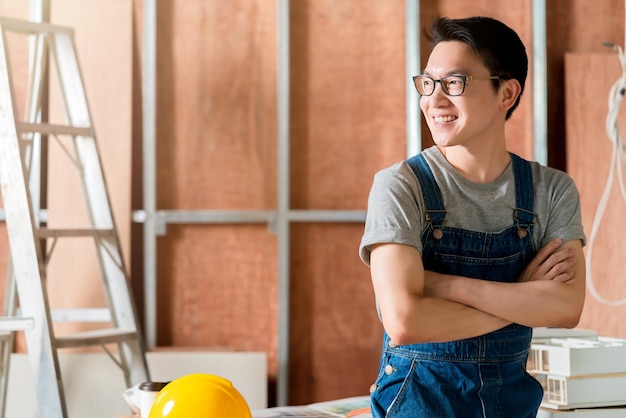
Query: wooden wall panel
{"x":216,"y":149}
{"x":347,"y":98}
{"x":347,"y":121}
{"x":335,"y":333}
{"x":217,"y":288}
{"x":216,"y":124}
{"x":574,"y":26}
{"x":589,"y":77}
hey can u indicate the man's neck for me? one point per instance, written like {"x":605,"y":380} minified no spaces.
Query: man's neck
{"x":483,"y":166}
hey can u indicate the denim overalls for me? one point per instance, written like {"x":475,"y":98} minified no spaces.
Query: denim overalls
{"x":483,"y":376}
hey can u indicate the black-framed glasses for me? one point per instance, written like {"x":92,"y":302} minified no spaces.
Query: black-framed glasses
{"x":452,"y":85}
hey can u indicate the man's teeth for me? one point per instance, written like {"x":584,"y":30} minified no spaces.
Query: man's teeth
{"x":442,"y":119}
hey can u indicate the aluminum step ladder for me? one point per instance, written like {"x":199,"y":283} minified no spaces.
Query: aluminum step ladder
{"x":31,"y":245}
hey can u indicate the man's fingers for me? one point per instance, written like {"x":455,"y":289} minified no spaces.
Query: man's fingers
{"x":560,"y":263}
{"x":548,"y":249}
{"x":564,"y":277}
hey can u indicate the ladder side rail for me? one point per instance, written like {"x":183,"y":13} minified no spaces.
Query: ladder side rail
{"x":31,"y":150}
{"x":22,"y":240}
{"x":118,"y":290}
{"x":37,"y":68}
{"x":9,"y":309}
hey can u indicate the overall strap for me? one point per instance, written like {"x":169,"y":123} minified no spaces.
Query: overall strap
{"x":523,"y":214}
{"x":435,"y":209}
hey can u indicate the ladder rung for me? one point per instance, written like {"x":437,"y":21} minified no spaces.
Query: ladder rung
{"x":15,"y":323}
{"x":81,"y":315}
{"x":95,"y":337}
{"x":52,"y":129}
{"x":76,"y":232}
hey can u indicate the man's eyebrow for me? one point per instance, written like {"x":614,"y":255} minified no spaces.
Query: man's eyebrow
{"x":456,"y":71}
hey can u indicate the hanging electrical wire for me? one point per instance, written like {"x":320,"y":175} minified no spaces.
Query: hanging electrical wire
{"x":618,"y":164}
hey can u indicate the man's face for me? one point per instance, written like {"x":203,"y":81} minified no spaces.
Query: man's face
{"x":474,"y":116}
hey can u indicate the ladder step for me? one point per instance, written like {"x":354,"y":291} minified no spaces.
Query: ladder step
{"x":76,"y":232}
{"x":15,"y":323}
{"x":95,"y":337}
{"x":80,"y":315}
{"x":52,"y":129}
{"x":58,"y":315}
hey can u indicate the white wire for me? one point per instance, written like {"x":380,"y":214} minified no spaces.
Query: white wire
{"x":618,"y":162}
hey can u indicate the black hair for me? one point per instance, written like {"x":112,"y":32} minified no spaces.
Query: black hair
{"x":497,"y":45}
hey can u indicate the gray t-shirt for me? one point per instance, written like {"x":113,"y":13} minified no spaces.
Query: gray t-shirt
{"x":396,"y":206}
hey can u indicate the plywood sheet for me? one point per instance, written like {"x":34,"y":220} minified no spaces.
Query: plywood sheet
{"x":589,"y":151}
{"x":336,"y":336}
{"x":347,"y":100}
{"x":217,"y":288}
{"x":216,"y":89}
{"x":574,"y":26}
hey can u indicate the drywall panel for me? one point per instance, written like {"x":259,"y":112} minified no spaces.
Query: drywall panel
{"x":589,"y":77}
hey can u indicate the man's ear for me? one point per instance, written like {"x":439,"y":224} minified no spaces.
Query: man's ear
{"x":509,"y":92}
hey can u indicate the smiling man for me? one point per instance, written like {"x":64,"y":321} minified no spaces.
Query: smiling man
{"x":469,"y":246}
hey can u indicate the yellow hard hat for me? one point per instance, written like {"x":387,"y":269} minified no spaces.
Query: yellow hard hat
{"x":200,"y":396}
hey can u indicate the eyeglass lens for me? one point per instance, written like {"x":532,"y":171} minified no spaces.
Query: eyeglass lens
{"x":452,"y":85}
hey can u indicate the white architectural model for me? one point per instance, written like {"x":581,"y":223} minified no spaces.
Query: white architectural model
{"x":584,"y":371}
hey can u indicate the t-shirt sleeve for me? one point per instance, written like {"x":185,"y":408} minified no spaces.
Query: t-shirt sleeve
{"x":564,"y":215}
{"x":394,"y":215}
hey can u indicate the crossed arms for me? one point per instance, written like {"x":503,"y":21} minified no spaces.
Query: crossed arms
{"x":424,"y":306}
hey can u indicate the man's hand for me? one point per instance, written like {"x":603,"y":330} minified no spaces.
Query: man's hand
{"x":552,"y":262}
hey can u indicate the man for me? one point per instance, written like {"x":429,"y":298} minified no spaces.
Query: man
{"x":469,"y":246}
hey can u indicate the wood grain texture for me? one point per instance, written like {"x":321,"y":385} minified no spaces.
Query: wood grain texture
{"x":335,"y":333}
{"x":347,"y":98}
{"x":216,"y":124}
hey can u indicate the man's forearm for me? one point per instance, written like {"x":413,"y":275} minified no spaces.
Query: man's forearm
{"x":550,"y":292}
{"x":433,"y":319}
{"x":536,"y":303}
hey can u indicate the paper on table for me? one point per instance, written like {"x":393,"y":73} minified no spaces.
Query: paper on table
{"x":355,"y":407}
